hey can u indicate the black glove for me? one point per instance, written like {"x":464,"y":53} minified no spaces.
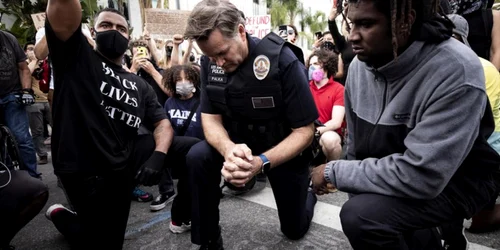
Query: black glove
{"x":26,"y":97}
{"x":151,"y":171}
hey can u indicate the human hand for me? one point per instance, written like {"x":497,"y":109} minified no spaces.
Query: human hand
{"x":322,"y":130}
{"x":318,"y":43}
{"x":237,"y":157}
{"x":240,"y":176}
{"x":147,"y":66}
{"x":137,"y":61}
{"x":178,"y":39}
{"x":31,"y":56}
{"x":320,"y":186}
{"x":333,"y":13}
{"x":145,"y":34}
{"x":151,"y":171}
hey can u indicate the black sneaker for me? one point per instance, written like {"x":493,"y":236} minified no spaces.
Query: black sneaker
{"x":161,"y":201}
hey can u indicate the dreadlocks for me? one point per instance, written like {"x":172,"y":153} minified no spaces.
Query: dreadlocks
{"x":399,"y":12}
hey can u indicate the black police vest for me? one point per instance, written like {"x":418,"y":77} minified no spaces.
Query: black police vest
{"x":251,"y":100}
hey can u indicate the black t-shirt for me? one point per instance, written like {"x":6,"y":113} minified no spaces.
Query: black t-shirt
{"x":11,"y":54}
{"x":98,"y":107}
{"x":300,"y":108}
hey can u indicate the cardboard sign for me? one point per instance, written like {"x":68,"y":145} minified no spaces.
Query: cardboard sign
{"x":258,"y":26}
{"x":38,"y":20}
{"x":162,"y":23}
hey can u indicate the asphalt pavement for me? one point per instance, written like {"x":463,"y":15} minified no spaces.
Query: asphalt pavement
{"x":248,"y":221}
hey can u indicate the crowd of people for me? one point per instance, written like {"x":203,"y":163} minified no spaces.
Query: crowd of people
{"x":397,"y":104}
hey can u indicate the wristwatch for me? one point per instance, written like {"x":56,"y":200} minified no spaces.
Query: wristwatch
{"x":266,"y":164}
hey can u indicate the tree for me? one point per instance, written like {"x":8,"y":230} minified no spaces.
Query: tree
{"x":316,"y":22}
{"x":23,"y":28}
{"x":284,"y":11}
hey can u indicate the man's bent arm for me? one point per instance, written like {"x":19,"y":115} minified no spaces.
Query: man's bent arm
{"x":163,"y":135}
{"x":41,"y":49}
{"x":495,"y":40}
{"x":24,"y":74}
{"x":291,"y":146}
{"x":338,"y":113}
{"x":215,"y":133}
{"x":64,"y":17}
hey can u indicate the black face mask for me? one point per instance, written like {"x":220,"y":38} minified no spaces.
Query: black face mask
{"x":169,"y":51}
{"x":111,"y":43}
{"x":328,"y":46}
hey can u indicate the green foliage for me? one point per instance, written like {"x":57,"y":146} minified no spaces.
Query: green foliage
{"x":23,"y":28}
{"x":284,"y":11}
{"x":316,"y":22}
{"x":89,"y":9}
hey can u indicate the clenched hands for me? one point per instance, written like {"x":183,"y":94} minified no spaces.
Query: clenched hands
{"x":240,"y":165}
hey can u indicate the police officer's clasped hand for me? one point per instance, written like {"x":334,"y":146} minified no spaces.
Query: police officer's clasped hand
{"x":238,"y":164}
{"x":320,"y":185}
{"x":26,"y":97}
{"x":151,"y":171}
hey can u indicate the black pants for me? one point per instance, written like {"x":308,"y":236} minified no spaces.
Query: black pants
{"x":289,"y":183}
{"x":102,"y":203}
{"x":373,"y":221}
{"x":20,"y":201}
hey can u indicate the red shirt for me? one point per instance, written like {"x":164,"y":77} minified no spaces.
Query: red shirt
{"x":332,"y":94}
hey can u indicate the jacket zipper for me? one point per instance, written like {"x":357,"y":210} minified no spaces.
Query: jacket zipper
{"x":384,"y":100}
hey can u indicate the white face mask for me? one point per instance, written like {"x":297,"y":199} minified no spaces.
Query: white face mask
{"x":184,"y":88}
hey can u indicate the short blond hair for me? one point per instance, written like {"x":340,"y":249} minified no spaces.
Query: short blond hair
{"x":209,"y":15}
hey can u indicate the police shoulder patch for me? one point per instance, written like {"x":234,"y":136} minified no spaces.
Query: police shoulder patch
{"x":261,"y":67}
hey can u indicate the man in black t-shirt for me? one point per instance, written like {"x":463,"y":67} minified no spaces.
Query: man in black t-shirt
{"x":257,"y":115}
{"x":97,"y":110}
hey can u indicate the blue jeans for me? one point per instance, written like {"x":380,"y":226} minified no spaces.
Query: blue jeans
{"x":16,"y":119}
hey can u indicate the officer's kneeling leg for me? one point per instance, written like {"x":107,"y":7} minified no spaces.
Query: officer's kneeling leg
{"x":295,"y":204}
{"x":204,"y":164}
{"x":372,"y":221}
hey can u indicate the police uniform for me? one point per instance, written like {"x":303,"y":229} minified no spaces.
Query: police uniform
{"x":260,"y":103}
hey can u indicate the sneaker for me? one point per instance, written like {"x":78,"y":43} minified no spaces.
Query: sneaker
{"x":57,"y":208}
{"x":161,"y":201}
{"x":178,"y":229}
{"x":43,"y":160}
{"x":141,"y":195}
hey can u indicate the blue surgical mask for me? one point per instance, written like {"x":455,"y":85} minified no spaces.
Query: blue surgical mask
{"x":311,"y":70}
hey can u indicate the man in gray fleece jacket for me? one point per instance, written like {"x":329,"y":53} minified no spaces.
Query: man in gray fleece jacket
{"x":418,"y":121}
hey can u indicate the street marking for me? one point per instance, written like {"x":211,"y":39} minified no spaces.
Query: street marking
{"x":157,"y":219}
{"x":324,"y":214}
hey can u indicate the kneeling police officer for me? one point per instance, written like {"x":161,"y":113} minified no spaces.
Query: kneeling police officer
{"x":257,"y":115}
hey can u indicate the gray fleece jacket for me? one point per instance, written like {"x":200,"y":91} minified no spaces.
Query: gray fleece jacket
{"x":415,"y":123}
